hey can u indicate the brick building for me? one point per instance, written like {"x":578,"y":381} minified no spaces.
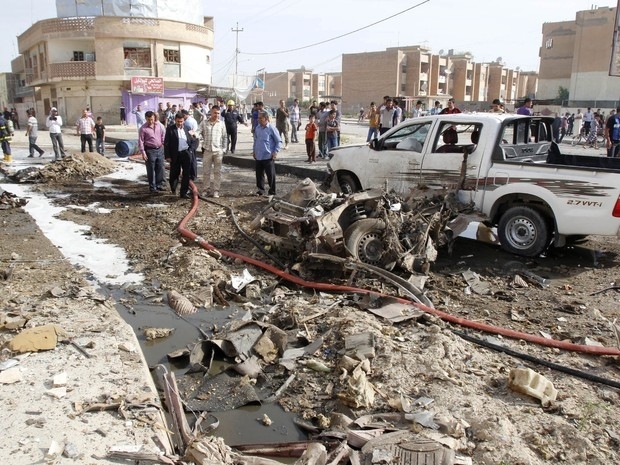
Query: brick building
{"x":415,"y":73}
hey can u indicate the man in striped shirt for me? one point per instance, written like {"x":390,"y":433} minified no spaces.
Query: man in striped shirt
{"x":214,"y":140}
{"x":151,"y":145}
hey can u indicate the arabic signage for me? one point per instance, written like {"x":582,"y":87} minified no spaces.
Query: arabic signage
{"x":147,"y":85}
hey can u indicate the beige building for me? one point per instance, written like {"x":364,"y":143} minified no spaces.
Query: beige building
{"x":415,"y":73}
{"x":576,"y":55}
{"x":124,"y":55}
{"x":300,"y":84}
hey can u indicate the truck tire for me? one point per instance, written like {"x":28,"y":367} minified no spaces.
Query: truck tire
{"x":364,"y":240}
{"x":347,"y":184}
{"x":523,"y":231}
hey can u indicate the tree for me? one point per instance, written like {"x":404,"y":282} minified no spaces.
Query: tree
{"x":562,"y":96}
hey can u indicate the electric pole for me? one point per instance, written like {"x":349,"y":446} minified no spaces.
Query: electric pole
{"x":236,"y":30}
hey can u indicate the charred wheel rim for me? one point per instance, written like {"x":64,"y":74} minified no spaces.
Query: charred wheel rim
{"x":370,"y":248}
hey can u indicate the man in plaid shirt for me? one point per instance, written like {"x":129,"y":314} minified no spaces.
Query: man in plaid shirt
{"x":85,"y":128}
{"x":214,"y":140}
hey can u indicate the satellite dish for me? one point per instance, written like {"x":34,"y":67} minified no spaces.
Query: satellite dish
{"x":423,"y":87}
{"x":518,"y":68}
{"x":498,"y":59}
{"x":441,"y":51}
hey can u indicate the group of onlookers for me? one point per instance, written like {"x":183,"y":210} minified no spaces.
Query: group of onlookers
{"x":216,"y":126}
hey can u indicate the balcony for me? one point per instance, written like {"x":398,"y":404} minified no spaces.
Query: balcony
{"x":73,"y":69}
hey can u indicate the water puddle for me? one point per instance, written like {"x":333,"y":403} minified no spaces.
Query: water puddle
{"x":108,"y":268}
{"x":240,"y":426}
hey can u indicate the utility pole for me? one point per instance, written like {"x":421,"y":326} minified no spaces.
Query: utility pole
{"x":236,"y":30}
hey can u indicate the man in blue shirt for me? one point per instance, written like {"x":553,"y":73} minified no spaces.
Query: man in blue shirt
{"x":267,"y":144}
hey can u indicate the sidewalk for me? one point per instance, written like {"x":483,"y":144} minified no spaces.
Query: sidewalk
{"x":291,"y":161}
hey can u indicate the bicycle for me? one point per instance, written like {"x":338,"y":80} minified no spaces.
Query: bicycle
{"x":583,"y":137}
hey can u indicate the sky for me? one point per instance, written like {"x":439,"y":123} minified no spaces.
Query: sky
{"x":287,"y":34}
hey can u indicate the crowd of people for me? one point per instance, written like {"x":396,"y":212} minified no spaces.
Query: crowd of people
{"x":174,"y":133}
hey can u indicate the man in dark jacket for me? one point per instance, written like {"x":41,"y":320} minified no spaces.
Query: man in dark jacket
{"x":231,"y":118}
{"x":180,"y":147}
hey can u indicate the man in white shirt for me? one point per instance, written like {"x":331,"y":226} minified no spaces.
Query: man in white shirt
{"x":54,"y":125}
{"x":417,"y":111}
{"x":32,"y":132}
{"x":588,"y":117}
{"x":387,"y":116}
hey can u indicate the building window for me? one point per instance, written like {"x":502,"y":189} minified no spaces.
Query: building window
{"x":78,"y":56}
{"x":403,"y":88}
{"x":549,"y":43}
{"x":137,"y":57}
{"x":172,"y":56}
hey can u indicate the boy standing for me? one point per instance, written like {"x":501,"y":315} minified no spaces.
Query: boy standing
{"x":311,"y":130}
{"x":100,"y":135}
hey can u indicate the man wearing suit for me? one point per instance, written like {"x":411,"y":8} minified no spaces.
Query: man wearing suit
{"x":179,"y":146}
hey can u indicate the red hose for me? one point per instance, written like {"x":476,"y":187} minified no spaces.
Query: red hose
{"x":339,"y":288}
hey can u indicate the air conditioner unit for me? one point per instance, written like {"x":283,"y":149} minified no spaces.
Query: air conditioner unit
{"x":89,"y":57}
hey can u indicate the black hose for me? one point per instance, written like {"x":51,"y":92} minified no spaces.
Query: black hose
{"x":539,"y":361}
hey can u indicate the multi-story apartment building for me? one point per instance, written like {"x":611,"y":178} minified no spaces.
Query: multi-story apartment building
{"x":576,"y":55}
{"x":104,"y":54}
{"x":415,"y":73}
{"x":302,"y":84}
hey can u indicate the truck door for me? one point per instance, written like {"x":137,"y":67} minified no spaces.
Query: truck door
{"x":442,"y":165}
{"x":397,"y":162}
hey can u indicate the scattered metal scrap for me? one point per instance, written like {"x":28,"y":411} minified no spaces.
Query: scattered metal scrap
{"x":373,"y":226}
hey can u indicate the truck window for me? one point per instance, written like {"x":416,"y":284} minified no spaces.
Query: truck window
{"x":455,"y":138}
{"x":522,"y":139}
{"x":410,"y":137}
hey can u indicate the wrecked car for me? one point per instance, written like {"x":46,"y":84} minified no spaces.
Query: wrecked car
{"x":373,"y":226}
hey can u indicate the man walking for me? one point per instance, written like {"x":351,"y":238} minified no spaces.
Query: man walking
{"x":140,"y":117}
{"x":5,"y":139}
{"x":150,"y":143}
{"x":54,"y":125}
{"x":282,"y":122}
{"x":179,"y":145}
{"x":294,"y":118}
{"x":32,"y":132}
{"x":214,"y":139}
{"x":231,"y":118}
{"x":267,"y":144}
{"x":85,"y":127}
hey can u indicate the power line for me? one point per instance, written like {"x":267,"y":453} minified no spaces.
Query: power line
{"x":341,"y":35}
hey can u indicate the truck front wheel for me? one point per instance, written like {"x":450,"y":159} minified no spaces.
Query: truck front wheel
{"x":523,"y":231}
{"x":347,"y":184}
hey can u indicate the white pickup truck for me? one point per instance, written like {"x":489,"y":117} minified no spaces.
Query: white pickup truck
{"x":506,"y":166}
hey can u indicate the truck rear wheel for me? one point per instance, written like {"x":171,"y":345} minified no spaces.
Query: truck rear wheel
{"x":364,"y":240}
{"x":347,"y":184}
{"x":523,"y":231}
